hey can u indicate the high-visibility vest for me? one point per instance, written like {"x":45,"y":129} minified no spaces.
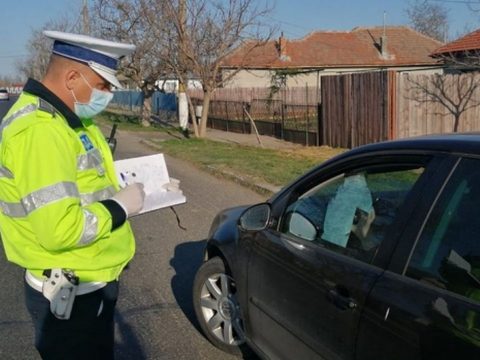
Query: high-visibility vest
{"x":52,"y":177}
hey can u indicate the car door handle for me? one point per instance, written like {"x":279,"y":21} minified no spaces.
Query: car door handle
{"x":340,"y":301}
{"x":295,"y":245}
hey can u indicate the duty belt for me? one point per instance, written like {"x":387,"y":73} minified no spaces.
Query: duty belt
{"x":83,"y":288}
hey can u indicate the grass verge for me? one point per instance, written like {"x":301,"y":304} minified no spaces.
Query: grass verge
{"x":247,"y":164}
{"x":131,"y":122}
{"x":276,"y":167}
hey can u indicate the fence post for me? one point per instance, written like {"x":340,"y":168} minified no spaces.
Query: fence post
{"x":320,"y":139}
{"x":306,"y":125}
{"x":226,"y":112}
{"x":244,"y":106}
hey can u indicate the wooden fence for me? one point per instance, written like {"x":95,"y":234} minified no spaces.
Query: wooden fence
{"x":294,"y":95}
{"x":418,"y":117}
{"x":289,"y":114}
{"x":347,"y":111}
{"x":355,"y":109}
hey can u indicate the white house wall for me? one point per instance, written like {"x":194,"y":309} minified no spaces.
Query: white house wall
{"x":263,"y":78}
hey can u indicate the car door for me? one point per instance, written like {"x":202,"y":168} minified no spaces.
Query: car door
{"x":427,"y":305}
{"x":309,"y":276}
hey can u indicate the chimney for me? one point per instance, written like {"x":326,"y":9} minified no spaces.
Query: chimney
{"x":383,"y":46}
{"x":282,"y":47}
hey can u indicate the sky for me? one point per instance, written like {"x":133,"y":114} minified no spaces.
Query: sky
{"x":295,"y":18}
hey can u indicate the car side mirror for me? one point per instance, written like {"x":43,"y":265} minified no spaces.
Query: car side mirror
{"x":255,"y":218}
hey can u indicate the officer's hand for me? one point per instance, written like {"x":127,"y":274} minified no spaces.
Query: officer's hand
{"x":131,"y":198}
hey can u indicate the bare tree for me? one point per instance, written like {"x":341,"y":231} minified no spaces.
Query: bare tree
{"x":209,"y":33}
{"x":456,"y":93}
{"x":10,"y":80}
{"x":461,"y":60}
{"x":181,"y":38}
{"x":428,"y":18}
{"x":131,"y":21}
{"x":39,"y":47}
{"x":473,"y":5}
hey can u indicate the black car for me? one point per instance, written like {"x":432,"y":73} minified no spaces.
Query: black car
{"x":374,"y":254}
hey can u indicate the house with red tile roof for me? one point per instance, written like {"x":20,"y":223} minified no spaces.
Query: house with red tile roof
{"x":465,"y":50}
{"x":330,"y":53}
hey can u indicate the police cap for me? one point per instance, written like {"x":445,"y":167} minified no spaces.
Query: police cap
{"x":102,"y":56}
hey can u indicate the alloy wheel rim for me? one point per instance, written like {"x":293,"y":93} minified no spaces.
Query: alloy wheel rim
{"x":221,"y":311}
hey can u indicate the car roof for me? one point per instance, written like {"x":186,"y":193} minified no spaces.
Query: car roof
{"x":466,"y":143}
{"x":453,"y":143}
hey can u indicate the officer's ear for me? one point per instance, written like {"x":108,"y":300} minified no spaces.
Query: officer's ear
{"x":72,"y":77}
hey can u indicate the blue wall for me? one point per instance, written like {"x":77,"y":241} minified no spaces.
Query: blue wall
{"x":131,"y":99}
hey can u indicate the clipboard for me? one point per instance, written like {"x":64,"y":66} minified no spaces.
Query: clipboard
{"x":161,"y":191}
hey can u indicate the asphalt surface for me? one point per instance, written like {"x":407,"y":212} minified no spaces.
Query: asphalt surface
{"x":5,"y":105}
{"x":155,"y":318}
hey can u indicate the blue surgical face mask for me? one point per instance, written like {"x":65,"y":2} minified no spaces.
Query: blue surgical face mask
{"x":98,"y":102}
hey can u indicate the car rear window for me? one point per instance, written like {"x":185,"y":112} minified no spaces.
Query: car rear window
{"x":448,"y":251}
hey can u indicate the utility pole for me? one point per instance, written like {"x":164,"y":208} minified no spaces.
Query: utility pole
{"x":182,"y":86}
{"x":85,"y":18}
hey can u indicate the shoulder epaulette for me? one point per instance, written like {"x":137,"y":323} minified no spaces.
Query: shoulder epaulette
{"x":46,"y":106}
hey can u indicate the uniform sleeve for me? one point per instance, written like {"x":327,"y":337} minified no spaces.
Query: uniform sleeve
{"x":44,"y":165}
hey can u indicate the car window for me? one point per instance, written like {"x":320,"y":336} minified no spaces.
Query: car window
{"x":351,"y":212}
{"x":447,"y":253}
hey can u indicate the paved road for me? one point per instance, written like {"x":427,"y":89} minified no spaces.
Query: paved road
{"x":155,"y":314}
{"x":5,"y":105}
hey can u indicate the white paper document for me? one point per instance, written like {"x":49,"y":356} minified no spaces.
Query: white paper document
{"x":160,"y":190}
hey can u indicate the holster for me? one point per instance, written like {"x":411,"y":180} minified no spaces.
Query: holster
{"x":60,"y":289}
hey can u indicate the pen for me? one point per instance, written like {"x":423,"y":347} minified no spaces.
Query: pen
{"x":124,"y":178}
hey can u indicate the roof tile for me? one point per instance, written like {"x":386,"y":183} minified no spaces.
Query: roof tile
{"x":359,"y":47}
{"x":469,"y":42}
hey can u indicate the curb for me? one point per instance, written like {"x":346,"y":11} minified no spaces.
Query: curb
{"x":262,"y":188}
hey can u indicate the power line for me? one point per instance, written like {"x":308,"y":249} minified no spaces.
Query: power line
{"x":293,"y":33}
{"x":457,"y":1}
{"x":288,"y":23}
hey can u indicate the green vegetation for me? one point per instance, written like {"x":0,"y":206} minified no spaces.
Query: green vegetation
{"x":247,"y":164}
{"x":394,"y":180}
{"x":131,"y":122}
{"x":276,"y":167}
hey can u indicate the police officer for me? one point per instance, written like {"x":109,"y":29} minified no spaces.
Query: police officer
{"x":63,"y":216}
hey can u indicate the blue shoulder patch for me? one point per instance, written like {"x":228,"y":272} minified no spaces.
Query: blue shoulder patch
{"x":87,"y":144}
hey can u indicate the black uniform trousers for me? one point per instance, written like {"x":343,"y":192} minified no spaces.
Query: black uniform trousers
{"x":88,"y":334}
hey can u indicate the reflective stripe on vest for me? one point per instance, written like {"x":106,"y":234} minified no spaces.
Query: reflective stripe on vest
{"x":103,"y":194}
{"x":48,"y":195}
{"x":89,"y":228}
{"x":19,"y":113}
{"x":51,"y":194}
{"x":12,"y":209}
{"x":4,"y":172}
{"x":90,"y":160}
{"x":40,"y":198}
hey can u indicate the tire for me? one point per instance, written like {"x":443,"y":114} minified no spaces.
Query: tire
{"x":217,"y":308}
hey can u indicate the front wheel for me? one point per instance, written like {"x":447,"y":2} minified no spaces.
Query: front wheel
{"x":217,"y":308}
